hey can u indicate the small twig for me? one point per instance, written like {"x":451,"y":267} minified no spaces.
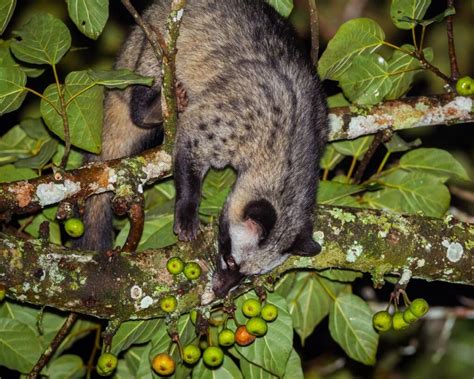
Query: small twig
{"x":154,"y":36}
{"x":451,"y":49}
{"x":380,"y":136}
{"x":462,"y":193}
{"x":53,"y":346}
{"x":314,"y":25}
{"x":136,"y":215}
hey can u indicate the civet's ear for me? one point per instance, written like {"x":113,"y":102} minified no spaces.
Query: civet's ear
{"x":260,"y":217}
{"x":145,"y":106}
{"x":304,"y":244}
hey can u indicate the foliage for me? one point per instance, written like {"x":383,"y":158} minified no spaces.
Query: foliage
{"x":71,"y":113}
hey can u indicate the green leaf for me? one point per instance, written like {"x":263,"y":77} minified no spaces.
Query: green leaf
{"x":10,"y":173}
{"x":134,"y":332}
{"x":66,"y":366}
{"x":330,"y":158}
{"x":334,"y":193}
{"x":350,"y":325}
{"x":74,"y":160}
{"x":294,"y":370}
{"x":228,"y":370}
{"x":54,"y":229}
{"x":339,"y":275}
{"x":355,"y":37}
{"x":42,"y":40}
{"x":439,"y":17}
{"x":16,"y":354}
{"x":84,"y":112}
{"x":410,"y":192}
{"x":411,"y":9}
{"x":12,"y":89}
{"x":434,"y":161}
{"x":6,"y":60}
{"x":402,"y":69}
{"x":35,"y":128}
{"x":118,"y":78}
{"x":89,"y":16}
{"x":398,"y":144}
{"x":285,"y":284}
{"x":157,"y":233}
{"x":284,"y":7}
{"x":6,"y":11}
{"x":16,"y":144}
{"x":337,"y":100}
{"x":354,"y":148}
{"x":216,"y":188}
{"x":270,"y":352}
{"x":39,"y":160}
{"x":367,"y":80}
{"x":138,"y":362}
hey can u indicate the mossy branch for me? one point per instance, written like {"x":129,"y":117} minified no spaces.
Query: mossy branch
{"x":129,"y":286}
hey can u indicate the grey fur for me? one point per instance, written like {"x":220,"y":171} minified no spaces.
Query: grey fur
{"x":255,"y":103}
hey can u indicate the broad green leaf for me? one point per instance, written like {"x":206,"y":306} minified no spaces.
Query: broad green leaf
{"x":350,"y":325}
{"x":42,"y":40}
{"x":16,"y":354}
{"x":333,"y":193}
{"x":272,"y":350}
{"x":337,"y":100}
{"x":354,"y":148}
{"x":216,"y":188}
{"x":355,"y":37}
{"x":367,"y":80}
{"x":10,"y":173}
{"x":89,"y":16}
{"x":39,"y":160}
{"x":138,"y":362}
{"x":401,"y":10}
{"x":434,"y":161}
{"x":81,"y":329}
{"x":124,"y":372}
{"x":118,"y":78}
{"x":35,"y":128}
{"x":66,"y":366}
{"x":402,"y":69}
{"x":157,"y":233}
{"x":16,"y":144}
{"x":6,"y":11}
{"x":284,"y":7}
{"x":6,"y":60}
{"x":410,"y":192}
{"x":228,"y":370}
{"x":330,"y":158}
{"x":398,"y":144}
{"x":12,"y":88}
{"x":74,"y":160}
{"x":439,"y":17}
{"x":84,"y":111}
{"x":134,"y":332}
{"x":285,"y":283}
{"x":251,"y":371}
{"x":294,"y":370}
{"x":340,"y":275}
{"x":54,"y":229}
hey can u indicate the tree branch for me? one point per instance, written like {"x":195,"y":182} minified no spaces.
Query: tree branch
{"x":130,"y":286}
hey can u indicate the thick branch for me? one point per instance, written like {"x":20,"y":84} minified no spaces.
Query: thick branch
{"x":130,"y":286}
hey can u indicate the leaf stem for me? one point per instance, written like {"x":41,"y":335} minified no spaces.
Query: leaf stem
{"x":42,"y":97}
{"x":384,"y":161}
{"x":63,"y":114}
{"x":325,"y":174}
{"x":79,"y":93}
{"x":413,"y":36}
{"x":328,"y":291}
{"x":451,"y":49}
{"x":351,"y":169}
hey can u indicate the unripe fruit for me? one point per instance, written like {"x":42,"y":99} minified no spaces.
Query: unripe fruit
{"x":226,"y":337}
{"x":213,"y":356}
{"x":243,"y":337}
{"x":269,"y":312}
{"x":168,"y":304}
{"x":192,"y":270}
{"x":399,"y":322}
{"x":382,"y":321}
{"x":106,"y":364}
{"x":193,"y":315}
{"x":465,"y":86}
{"x":163,"y":364}
{"x":2,"y":292}
{"x":409,"y":317}
{"x":74,"y":227}
{"x":256,"y":326}
{"x":419,"y":307}
{"x":203,"y":345}
{"x":175,"y":265}
{"x":251,"y":307}
{"x":191,"y":354}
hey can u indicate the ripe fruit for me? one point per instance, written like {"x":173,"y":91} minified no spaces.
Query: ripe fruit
{"x":168,"y":304}
{"x":382,"y":321}
{"x":256,"y":326}
{"x":226,"y":337}
{"x":175,"y":265}
{"x":251,"y":307}
{"x":269,"y":312}
{"x":106,"y":364}
{"x":408,"y":316}
{"x":465,"y":86}
{"x":74,"y":227}
{"x":213,"y":356}
{"x":399,"y":322}
{"x":192,"y":270}
{"x":163,"y":364}
{"x":191,"y":354}
{"x":419,"y":307}
{"x":243,"y":337}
